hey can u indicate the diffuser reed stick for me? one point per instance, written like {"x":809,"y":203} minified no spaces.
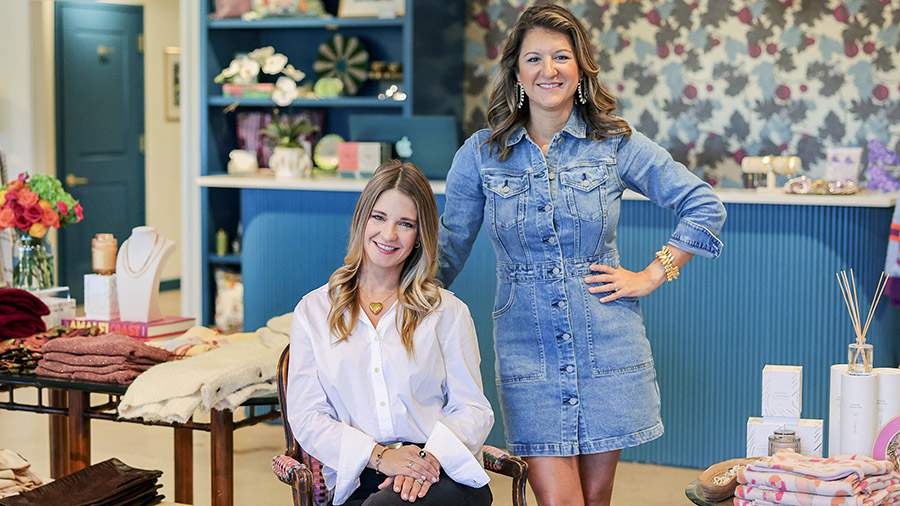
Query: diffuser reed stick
{"x":851,"y":301}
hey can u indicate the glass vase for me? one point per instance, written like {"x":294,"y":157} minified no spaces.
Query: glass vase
{"x":859,"y":359}
{"x":32,"y":263}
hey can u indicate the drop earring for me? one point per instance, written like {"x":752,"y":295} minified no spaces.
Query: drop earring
{"x":521,"y":96}
{"x":581,"y":99}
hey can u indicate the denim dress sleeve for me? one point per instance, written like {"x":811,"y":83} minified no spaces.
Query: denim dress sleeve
{"x":463,"y":211}
{"x":646,"y":168}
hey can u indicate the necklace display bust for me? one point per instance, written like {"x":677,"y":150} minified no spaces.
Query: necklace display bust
{"x":138,"y":269}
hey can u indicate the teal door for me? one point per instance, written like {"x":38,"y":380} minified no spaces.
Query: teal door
{"x":99,"y":127}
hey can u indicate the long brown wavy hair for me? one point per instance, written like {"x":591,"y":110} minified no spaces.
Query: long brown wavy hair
{"x":504,"y":117}
{"x":419,"y":293}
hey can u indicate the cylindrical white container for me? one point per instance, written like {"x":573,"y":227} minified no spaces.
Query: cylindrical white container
{"x":888,"y":394}
{"x":834,"y":410}
{"x":859,"y":413}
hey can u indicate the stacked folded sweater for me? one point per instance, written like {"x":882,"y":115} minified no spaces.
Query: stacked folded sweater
{"x":15,"y":475}
{"x":20,"y":355}
{"x":20,"y":314}
{"x":107,"y":358}
{"x":221,"y":378}
{"x":792,"y":479}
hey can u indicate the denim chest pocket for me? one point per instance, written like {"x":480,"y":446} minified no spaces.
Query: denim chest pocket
{"x":585,"y":193}
{"x":507,"y":194}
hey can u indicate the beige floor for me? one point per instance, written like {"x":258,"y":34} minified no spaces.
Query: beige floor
{"x":151,"y":448}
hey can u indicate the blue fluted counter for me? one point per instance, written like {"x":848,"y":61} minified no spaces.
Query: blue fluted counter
{"x":771,"y":298}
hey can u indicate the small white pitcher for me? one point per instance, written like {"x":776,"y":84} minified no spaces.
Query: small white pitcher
{"x":289,"y":163}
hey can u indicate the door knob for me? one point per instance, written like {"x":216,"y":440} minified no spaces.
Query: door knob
{"x":72,"y":180}
{"x":105,"y":50}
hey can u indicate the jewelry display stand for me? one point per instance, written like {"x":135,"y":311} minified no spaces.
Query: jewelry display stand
{"x":138,"y":269}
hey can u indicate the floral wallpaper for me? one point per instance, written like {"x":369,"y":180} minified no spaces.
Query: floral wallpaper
{"x":714,"y":81}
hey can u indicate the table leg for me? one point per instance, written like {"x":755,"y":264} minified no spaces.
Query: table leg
{"x":222,"y":465}
{"x":79,"y":431}
{"x":59,"y":440}
{"x":184,"y":466}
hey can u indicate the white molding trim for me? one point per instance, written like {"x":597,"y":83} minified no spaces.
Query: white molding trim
{"x":191,"y":282}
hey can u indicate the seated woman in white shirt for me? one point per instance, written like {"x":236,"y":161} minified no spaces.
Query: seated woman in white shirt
{"x":382,"y":355}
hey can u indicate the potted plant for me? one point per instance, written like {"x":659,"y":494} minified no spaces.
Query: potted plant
{"x":291,"y":154}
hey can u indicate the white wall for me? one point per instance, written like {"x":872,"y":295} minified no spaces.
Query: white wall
{"x":26,"y":105}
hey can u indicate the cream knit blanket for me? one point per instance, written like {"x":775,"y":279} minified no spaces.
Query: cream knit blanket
{"x":222,"y":378}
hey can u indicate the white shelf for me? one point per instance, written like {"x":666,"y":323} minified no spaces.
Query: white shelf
{"x":864,"y":198}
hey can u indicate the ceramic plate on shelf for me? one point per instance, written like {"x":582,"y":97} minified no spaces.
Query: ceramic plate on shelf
{"x":343,"y":58}
{"x":326,"y":152}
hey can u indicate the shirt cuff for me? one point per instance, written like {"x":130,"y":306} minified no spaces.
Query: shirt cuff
{"x":356,"y":448}
{"x":456,"y":460}
{"x":696,"y":239}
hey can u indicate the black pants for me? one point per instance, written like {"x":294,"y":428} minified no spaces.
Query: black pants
{"x":445,"y":492}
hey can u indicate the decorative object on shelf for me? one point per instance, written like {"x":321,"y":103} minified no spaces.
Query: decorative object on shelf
{"x":231,"y":8}
{"x":757,"y":166}
{"x":33,"y":205}
{"x":252,"y":125}
{"x":241,"y":161}
{"x":253,"y":90}
{"x":842,"y":164}
{"x":859,"y":353}
{"x":286,"y":8}
{"x":291,"y":157}
{"x":244,"y":70}
{"x":389,"y":76}
{"x":328,"y":87}
{"x":103,"y":254}
{"x":371,"y":8}
{"x":393,"y":92}
{"x":883,"y":172}
{"x":326,"y":152}
{"x":805,"y":186}
{"x":344,"y":58}
{"x":173,"y":83}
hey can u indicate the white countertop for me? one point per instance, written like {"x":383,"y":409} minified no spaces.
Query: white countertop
{"x":864,"y":198}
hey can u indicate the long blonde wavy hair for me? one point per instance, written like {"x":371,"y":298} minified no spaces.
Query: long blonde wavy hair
{"x":504,"y":116}
{"x":419,"y":293}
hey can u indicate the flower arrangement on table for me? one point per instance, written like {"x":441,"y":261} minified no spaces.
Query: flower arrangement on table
{"x":241,"y":76}
{"x":32,"y":205}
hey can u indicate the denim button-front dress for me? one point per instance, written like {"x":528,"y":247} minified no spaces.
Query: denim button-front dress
{"x":574,"y":375}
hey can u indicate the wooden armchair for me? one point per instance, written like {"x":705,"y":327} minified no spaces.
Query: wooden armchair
{"x":304,"y":473}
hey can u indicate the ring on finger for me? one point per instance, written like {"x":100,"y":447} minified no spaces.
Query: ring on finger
{"x":420,"y":481}
{"x":409,"y":464}
{"x":422,"y":454}
{"x":615,"y":287}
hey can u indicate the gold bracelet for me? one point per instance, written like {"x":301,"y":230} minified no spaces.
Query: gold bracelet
{"x":668,"y":261}
{"x":392,"y":446}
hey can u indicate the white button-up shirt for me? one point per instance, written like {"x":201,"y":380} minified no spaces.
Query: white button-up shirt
{"x":345,"y":397}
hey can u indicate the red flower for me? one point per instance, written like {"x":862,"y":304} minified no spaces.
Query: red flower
{"x":79,"y":212}
{"x":18,"y":209}
{"x":7,"y":217}
{"x":15,"y":185}
{"x":28,"y":197}
{"x":62,"y":207}
{"x":34,"y":213}
{"x":22,"y":223}
{"x":50,"y":218}
{"x":12,"y":194}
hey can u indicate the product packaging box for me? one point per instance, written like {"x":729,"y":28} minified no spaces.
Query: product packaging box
{"x":60,"y":307}
{"x":782,"y":393}
{"x":101,"y":299}
{"x":362,"y":157}
{"x":809,"y":431}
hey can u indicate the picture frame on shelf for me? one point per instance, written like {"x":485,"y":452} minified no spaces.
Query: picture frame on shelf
{"x":173,"y":83}
{"x":371,"y":8}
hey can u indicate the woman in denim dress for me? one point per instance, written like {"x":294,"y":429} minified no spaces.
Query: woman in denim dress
{"x":574,"y":368}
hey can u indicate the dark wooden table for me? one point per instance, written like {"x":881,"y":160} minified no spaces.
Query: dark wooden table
{"x":69,"y":405}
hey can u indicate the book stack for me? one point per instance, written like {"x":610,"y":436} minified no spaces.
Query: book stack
{"x":168,"y":326}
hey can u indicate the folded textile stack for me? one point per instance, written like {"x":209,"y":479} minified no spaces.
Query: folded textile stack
{"x":222,"y":378}
{"x":199,"y":340}
{"x":15,"y":475}
{"x":20,"y":355}
{"x":107,"y":358}
{"x":109,"y":483}
{"x":20,"y":313}
{"x":793,"y":479}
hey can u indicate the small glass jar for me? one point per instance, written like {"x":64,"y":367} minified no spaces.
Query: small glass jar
{"x":859,"y":359}
{"x":103,"y":254}
{"x":784,"y":438}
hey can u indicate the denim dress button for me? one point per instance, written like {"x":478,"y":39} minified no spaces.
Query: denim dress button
{"x":569,"y":368}
{"x":505,"y":189}
{"x":551,"y":176}
{"x":555,"y":270}
{"x":561,"y":304}
{"x":552,"y":240}
{"x":565,"y":336}
{"x":547,"y":207}
{"x":573,"y":401}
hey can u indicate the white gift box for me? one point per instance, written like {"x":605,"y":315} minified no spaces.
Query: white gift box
{"x":60,"y":307}
{"x":101,"y":300}
{"x":782,"y":392}
{"x":809,"y":431}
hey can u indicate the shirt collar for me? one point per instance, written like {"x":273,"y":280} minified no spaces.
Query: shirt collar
{"x":575,"y":126}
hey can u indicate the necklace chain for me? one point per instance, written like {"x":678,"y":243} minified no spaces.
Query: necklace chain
{"x":376,"y":306}
{"x":154,"y":252}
